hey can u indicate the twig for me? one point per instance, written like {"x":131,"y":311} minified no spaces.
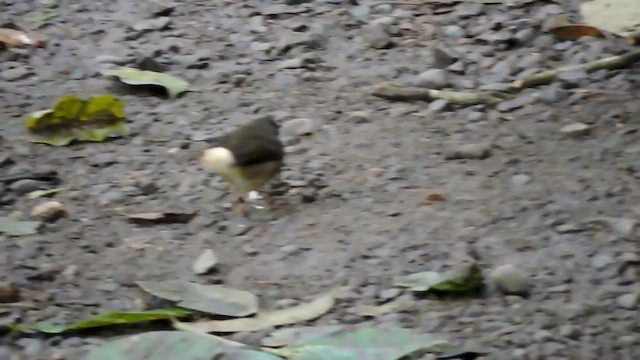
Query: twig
{"x":547,"y":77}
{"x":38,"y":175}
{"x":395,"y":92}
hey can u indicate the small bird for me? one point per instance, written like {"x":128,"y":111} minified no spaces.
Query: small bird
{"x":247,"y":158}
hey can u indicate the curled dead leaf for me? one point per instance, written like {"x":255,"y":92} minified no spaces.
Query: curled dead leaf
{"x":575,"y":31}
{"x":433,"y":196}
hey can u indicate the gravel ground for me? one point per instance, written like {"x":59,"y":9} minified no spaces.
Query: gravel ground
{"x":525,"y":195}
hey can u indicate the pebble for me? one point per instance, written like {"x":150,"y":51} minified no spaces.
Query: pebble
{"x":511,"y":280}
{"x":553,"y":93}
{"x":600,"y":261}
{"x":295,"y":63}
{"x":49,"y":210}
{"x":439,"y":105}
{"x":250,"y":250}
{"x":389,"y":294}
{"x":575,"y":130}
{"x":205,"y":262}
{"x":628,"y":301}
{"x":433,"y":79}
{"x":16,"y":73}
{"x":298,"y":127}
{"x":439,"y":58}
{"x":360,"y":117}
{"x":519,"y":180}
{"x":475,"y":151}
{"x":376,"y":37}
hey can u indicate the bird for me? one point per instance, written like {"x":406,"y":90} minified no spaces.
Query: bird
{"x":247,"y":158}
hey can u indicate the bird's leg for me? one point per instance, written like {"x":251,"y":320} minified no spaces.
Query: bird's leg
{"x":239,"y":206}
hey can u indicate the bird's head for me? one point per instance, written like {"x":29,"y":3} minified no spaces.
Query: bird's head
{"x":217,"y":159}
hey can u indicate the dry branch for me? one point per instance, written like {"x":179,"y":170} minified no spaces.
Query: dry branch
{"x":394,"y":92}
{"x":546,"y":77}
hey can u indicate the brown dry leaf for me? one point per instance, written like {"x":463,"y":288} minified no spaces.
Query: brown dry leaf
{"x":575,"y":31}
{"x":433,"y":196}
{"x":265,"y":319}
{"x":13,"y":37}
{"x":152,"y":218}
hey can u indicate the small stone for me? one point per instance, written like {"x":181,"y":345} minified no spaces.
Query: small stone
{"x":453,"y":31}
{"x":575,"y":130}
{"x":519,"y":180}
{"x":9,"y":293}
{"x":308,"y":196}
{"x":49,"y":210}
{"x":440,"y":59}
{"x":389,"y":294}
{"x":250,"y":250}
{"x":16,"y":73}
{"x":475,"y":151}
{"x":295,"y":63}
{"x":511,"y":280}
{"x":159,"y":23}
{"x":360,"y":117}
{"x":525,"y":36}
{"x":601,"y":261}
{"x":25,"y":186}
{"x":361,"y":12}
{"x":553,"y":93}
{"x":542,"y":336}
{"x":205,"y":262}
{"x":376,"y":37}
{"x":289,"y":249}
{"x":239,"y":79}
{"x":298,"y":127}
{"x":433,"y":79}
{"x":569,"y":331}
{"x":628,"y":301}
{"x":439,"y":105}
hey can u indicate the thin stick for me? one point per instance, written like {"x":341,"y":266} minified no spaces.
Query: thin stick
{"x":395,"y":92}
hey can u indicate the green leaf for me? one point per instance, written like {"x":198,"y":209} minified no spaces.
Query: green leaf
{"x":212,"y":299}
{"x":470,"y":281}
{"x":370,"y":344}
{"x":42,"y":193}
{"x":72,"y":118}
{"x":174,"y":85}
{"x":174,"y":345}
{"x":15,"y":227}
{"x":112,"y":318}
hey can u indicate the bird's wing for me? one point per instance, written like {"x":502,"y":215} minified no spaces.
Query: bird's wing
{"x":251,"y":152}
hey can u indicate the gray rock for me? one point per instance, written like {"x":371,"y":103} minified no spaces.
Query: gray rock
{"x":520,"y":180}
{"x":17,"y":73}
{"x":457,"y":68}
{"x":25,"y":186}
{"x":283,"y":81}
{"x":569,"y":331}
{"x":298,"y":127}
{"x":438,"y":105}
{"x":439,"y":58}
{"x":257,"y":24}
{"x":628,"y":301}
{"x":389,"y":294}
{"x":553,"y":94}
{"x":159,"y":23}
{"x":511,"y":280}
{"x":250,"y":250}
{"x":453,"y":31}
{"x":525,"y":36}
{"x":376,"y":37}
{"x":575,"y":130}
{"x":601,"y":261}
{"x":294,"y":63}
{"x":205,"y":262}
{"x":542,"y":336}
{"x":475,"y":151}
{"x":361,"y":13}
{"x":514,"y":104}
{"x":433,"y":79}
{"x":360,"y":117}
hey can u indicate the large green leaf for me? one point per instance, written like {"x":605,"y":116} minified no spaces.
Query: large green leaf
{"x":174,"y":345}
{"x":72,"y":118}
{"x":106,"y":319}
{"x":370,"y":344}
{"x":458,"y":283}
{"x":212,"y":299}
{"x":130,"y":76}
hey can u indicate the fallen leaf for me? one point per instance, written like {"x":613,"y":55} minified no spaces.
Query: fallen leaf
{"x":469,"y":282}
{"x":377,"y":310}
{"x":15,"y":227}
{"x":212,"y":299}
{"x":267,"y":318}
{"x":575,"y":31}
{"x":288,"y":336}
{"x":130,"y":76}
{"x":432,"y":197}
{"x":162,"y":217}
{"x":72,"y":118}
{"x":14,"y":37}
{"x":387,"y":344}
{"x":43,"y":193}
{"x":175,"y":345}
{"x":111,"y":318}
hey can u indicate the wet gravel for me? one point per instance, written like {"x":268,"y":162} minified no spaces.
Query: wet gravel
{"x":543,"y":189}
